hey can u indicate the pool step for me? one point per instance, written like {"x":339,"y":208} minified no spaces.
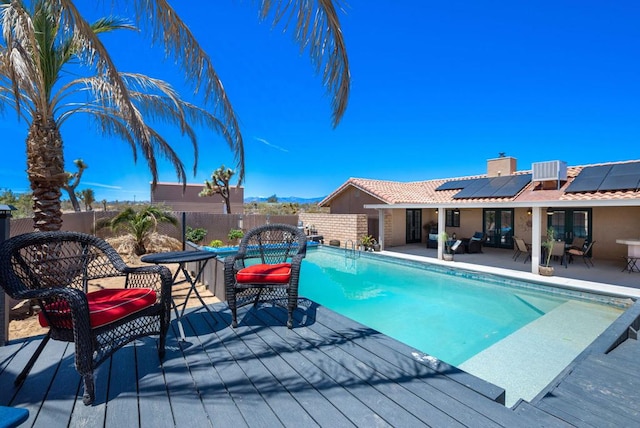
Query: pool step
{"x":537,"y":417}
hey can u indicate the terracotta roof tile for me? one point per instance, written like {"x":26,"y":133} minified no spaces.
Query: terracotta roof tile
{"x":423,"y":192}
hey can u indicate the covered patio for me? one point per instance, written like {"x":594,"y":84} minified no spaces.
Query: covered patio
{"x":605,"y":272}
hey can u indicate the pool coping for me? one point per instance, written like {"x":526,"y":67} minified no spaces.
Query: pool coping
{"x":560,"y":282}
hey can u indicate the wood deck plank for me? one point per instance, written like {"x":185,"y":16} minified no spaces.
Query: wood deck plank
{"x":254,"y":410}
{"x":64,"y":387}
{"x":537,"y":417}
{"x":122,"y":408}
{"x":92,"y":415}
{"x":404,"y":409}
{"x":13,"y":357}
{"x":572,"y":409}
{"x":267,"y":372}
{"x":606,"y":382}
{"x":339,"y":396}
{"x":204,"y":369}
{"x":290,"y":367}
{"x":428,"y":383}
{"x":35,"y":387}
{"x":186,"y":405}
{"x":153,"y":399}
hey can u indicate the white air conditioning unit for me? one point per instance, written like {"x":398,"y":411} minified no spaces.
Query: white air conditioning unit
{"x":549,"y":171}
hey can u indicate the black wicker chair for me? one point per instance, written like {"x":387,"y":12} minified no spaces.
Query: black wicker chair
{"x":54,"y":269}
{"x":266,"y":268}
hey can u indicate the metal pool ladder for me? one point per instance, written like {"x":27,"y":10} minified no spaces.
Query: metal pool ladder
{"x":350,"y":251}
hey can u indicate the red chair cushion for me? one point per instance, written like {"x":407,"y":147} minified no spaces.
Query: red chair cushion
{"x":279,"y":273}
{"x":105,"y":306}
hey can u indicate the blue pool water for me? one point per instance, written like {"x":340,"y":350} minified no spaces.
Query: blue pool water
{"x":441,"y":312}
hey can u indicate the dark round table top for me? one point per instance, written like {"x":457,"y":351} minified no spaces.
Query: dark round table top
{"x":178,"y":257}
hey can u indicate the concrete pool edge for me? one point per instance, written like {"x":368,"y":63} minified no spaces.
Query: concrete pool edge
{"x":560,"y":282}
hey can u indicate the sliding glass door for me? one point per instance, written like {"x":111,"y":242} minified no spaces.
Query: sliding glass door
{"x":570,"y":223}
{"x":498,"y":227}
{"x":414,"y":226}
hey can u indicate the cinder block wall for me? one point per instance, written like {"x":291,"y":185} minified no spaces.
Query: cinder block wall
{"x":343,"y":227}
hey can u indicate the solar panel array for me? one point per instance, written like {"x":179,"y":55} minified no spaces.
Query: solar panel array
{"x":624,"y":176}
{"x":490,"y":187}
{"x":455,"y":184}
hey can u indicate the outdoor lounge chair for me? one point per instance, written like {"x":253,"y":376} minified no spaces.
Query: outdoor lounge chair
{"x":558,"y":251}
{"x":266,"y":268}
{"x":55,"y":269}
{"x":585,"y":254}
{"x":522,"y":248}
{"x":475,"y":243}
{"x":577,"y":244}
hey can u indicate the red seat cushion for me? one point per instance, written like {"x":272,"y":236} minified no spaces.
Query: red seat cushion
{"x":279,"y":273}
{"x":105,"y":306}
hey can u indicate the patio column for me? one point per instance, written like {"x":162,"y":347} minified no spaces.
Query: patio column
{"x":381,"y":228}
{"x":441,"y":228}
{"x":536,"y":242}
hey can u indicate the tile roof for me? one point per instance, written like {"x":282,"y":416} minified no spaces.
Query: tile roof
{"x":423,"y":192}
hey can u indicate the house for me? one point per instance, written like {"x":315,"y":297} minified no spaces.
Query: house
{"x":187,"y":199}
{"x":599,"y":202}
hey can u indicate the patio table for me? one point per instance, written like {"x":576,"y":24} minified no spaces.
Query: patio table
{"x":633,"y":253}
{"x":182,"y":258}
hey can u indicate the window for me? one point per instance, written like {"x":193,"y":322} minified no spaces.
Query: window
{"x":452,"y":218}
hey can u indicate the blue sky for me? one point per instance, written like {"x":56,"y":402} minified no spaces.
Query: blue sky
{"x":437,"y":89}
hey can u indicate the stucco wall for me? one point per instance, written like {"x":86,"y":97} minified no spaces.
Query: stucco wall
{"x":172,"y":196}
{"x":352,"y":201}
{"x":610,"y":224}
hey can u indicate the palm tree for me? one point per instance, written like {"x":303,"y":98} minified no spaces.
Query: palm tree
{"x":140,"y":224}
{"x":40,"y":37}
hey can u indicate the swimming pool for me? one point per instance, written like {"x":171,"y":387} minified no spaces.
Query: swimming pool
{"x":486,"y":325}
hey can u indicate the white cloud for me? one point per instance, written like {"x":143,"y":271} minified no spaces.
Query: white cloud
{"x":106,"y":186}
{"x":266,"y":143}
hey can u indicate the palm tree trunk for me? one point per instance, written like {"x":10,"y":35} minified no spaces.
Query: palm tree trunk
{"x":45,"y":168}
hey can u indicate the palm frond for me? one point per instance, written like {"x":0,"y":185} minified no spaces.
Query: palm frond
{"x":180,"y":44}
{"x":317,"y":28}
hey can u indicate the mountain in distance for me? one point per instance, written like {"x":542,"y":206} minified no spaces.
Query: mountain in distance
{"x":284,"y":199}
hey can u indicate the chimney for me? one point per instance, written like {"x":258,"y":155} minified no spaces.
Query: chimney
{"x":502,"y":165}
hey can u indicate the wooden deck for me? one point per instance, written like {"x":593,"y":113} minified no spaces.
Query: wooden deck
{"x":327,"y":371}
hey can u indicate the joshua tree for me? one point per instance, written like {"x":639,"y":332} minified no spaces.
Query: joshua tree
{"x":88,"y":198}
{"x":219,"y":184}
{"x":73,"y":179}
{"x":140,"y":224}
{"x":41,"y":37}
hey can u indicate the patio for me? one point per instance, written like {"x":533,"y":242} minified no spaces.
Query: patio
{"x":500,"y":261}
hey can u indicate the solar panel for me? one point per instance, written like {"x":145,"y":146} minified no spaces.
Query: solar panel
{"x":513,"y":186}
{"x":471,"y":188}
{"x":495,"y":187}
{"x":607,"y":177}
{"x":454,"y":184}
{"x":620,"y":182}
{"x":622,"y":177}
{"x":584,"y":184}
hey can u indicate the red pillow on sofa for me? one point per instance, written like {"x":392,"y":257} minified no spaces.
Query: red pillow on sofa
{"x":105,"y":306}
{"x":279,"y":273}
